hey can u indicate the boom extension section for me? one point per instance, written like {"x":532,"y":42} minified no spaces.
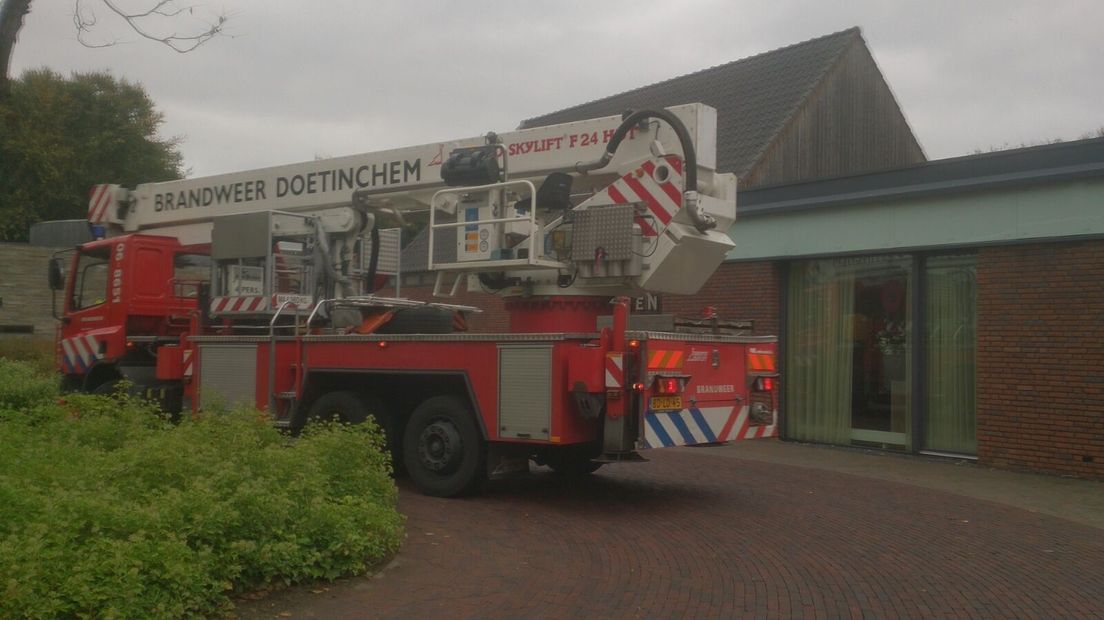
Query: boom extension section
{"x":605,"y":207}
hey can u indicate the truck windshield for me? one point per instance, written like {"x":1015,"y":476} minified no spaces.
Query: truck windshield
{"x":90,"y":289}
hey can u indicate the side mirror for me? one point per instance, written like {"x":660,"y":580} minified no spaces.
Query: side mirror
{"x":56,"y":279}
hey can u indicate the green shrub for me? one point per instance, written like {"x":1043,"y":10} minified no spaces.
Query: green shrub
{"x":22,"y":386}
{"x":39,"y":352}
{"x":108,"y":510}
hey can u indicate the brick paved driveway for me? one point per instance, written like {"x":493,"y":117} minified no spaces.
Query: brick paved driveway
{"x":694,"y":535}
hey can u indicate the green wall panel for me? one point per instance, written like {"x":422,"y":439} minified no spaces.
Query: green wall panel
{"x":1038,"y":213}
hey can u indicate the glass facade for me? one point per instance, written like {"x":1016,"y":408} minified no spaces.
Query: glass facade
{"x":850,"y":335}
{"x":950,"y":333}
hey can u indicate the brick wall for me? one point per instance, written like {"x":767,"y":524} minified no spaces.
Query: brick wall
{"x":24,"y":290}
{"x":738,"y":290}
{"x":493,"y":319}
{"x":1040,"y":358}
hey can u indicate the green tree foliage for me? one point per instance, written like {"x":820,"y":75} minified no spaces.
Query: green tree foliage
{"x":59,"y":137}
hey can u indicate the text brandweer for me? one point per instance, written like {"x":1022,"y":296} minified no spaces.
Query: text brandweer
{"x":334,"y":180}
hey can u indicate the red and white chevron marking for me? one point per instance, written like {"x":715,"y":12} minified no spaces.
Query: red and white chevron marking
{"x":80,"y":352}
{"x":102,"y":197}
{"x":189,"y":363}
{"x":615,"y":373}
{"x":663,"y":199}
{"x":239,"y":304}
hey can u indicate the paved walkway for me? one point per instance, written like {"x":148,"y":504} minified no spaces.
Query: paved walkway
{"x":1077,"y":500}
{"x":751,"y":530}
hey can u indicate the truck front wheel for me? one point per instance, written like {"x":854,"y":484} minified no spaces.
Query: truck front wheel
{"x":442,"y":449}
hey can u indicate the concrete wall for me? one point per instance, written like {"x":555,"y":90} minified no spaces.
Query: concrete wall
{"x":24,"y":291}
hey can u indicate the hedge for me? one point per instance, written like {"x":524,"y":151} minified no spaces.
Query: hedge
{"x":108,"y":509}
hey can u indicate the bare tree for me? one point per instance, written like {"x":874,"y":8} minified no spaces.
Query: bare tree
{"x":150,"y":24}
{"x":158,"y":23}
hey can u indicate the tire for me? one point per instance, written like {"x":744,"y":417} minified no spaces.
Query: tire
{"x":443,"y":450}
{"x":352,"y":407}
{"x":107,"y":388}
{"x":419,"y":320}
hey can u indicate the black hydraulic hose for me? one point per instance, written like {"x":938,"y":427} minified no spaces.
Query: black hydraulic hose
{"x":680,"y":130}
{"x":701,"y":221}
{"x":373,"y":262}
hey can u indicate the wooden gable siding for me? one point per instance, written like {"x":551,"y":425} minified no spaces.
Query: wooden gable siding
{"x":849,"y":124}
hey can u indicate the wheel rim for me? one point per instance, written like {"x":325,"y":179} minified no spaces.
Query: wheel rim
{"x":440,"y":448}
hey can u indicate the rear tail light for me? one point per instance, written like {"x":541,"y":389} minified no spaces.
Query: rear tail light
{"x":667,"y":385}
{"x":764,"y":384}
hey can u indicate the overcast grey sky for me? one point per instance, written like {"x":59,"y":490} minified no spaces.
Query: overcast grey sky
{"x":302,"y":79}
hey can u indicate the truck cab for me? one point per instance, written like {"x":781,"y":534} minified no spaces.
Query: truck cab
{"x":126,"y":296}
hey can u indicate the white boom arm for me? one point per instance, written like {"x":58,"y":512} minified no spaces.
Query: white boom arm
{"x":407,"y":178}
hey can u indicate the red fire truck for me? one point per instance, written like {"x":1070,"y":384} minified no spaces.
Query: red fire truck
{"x":258,"y":287}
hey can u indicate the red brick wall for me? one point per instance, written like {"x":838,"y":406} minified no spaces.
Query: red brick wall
{"x":738,"y":290}
{"x":1040,"y":358}
{"x":493,"y":319}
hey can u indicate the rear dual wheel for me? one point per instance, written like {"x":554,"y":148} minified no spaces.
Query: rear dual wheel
{"x":443,"y":451}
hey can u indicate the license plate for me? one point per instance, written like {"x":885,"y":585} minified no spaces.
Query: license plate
{"x":660,"y":403}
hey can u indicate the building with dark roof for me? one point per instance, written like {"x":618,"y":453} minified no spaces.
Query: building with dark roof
{"x":815,"y":109}
{"x":951,"y":307}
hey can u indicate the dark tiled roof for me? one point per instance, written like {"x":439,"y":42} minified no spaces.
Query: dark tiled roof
{"x":754,"y":97}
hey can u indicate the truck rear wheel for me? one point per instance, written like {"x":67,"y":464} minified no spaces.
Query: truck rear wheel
{"x":442,"y":448}
{"x":107,"y":388}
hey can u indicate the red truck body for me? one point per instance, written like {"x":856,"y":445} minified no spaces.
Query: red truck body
{"x":265,"y":298}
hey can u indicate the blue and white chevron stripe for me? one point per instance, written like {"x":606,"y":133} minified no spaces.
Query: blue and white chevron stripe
{"x":690,"y":426}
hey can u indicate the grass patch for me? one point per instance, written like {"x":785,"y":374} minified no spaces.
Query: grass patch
{"x":108,"y":510}
{"x":37,"y":351}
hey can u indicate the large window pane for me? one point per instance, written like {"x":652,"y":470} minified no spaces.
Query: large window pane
{"x":818,"y":362}
{"x":951,"y":334}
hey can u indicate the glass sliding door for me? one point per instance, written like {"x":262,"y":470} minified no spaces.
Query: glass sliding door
{"x":848,"y":337}
{"x":950,"y":306}
{"x":881,"y":400}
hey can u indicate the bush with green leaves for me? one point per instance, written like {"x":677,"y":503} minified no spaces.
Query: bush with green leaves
{"x":109,"y":510}
{"x":22,"y":386}
{"x":38,"y":351}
